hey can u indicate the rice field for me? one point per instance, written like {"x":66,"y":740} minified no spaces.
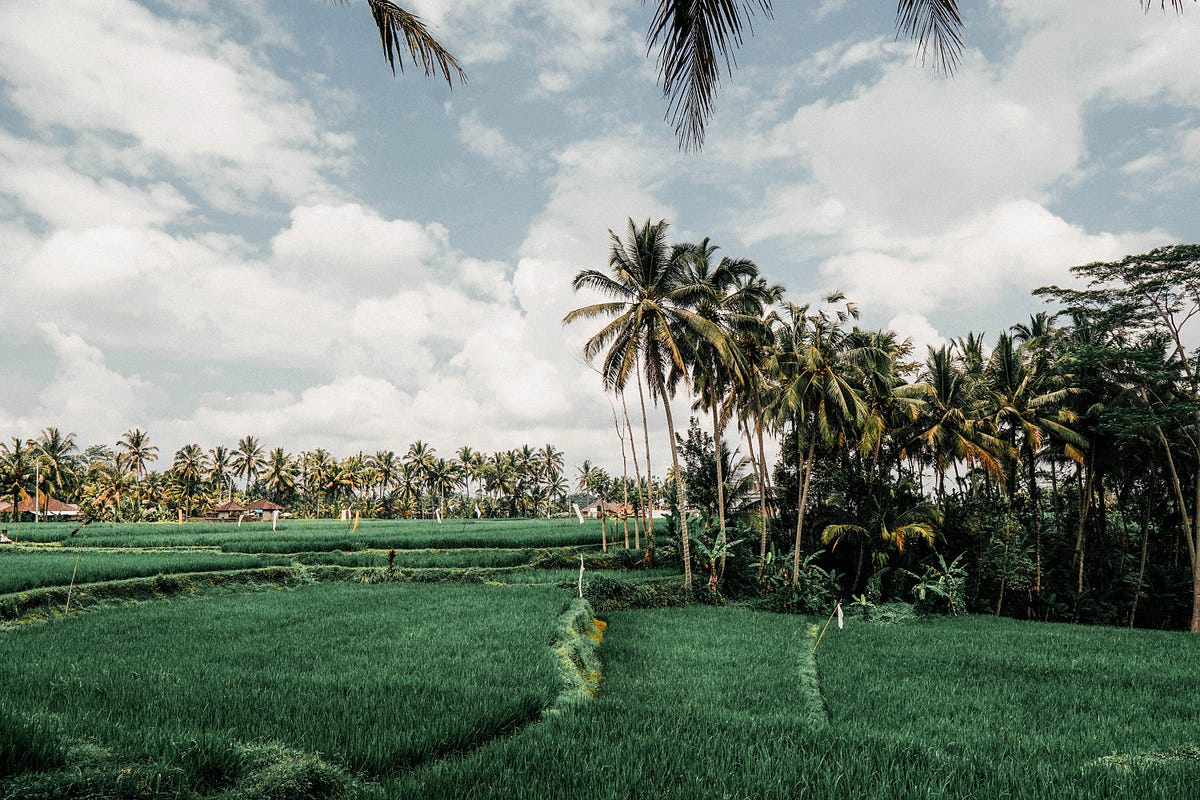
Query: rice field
{"x":714,"y":702}
{"x":296,"y":536}
{"x":24,"y":568}
{"x":374,"y":679}
{"x":375,"y":688}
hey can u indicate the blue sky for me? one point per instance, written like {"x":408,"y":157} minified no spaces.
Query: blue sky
{"x":219,"y":220}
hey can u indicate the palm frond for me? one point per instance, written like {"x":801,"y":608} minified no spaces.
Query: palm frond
{"x":695,"y":36}
{"x":936,"y":23}
{"x":401,"y":31}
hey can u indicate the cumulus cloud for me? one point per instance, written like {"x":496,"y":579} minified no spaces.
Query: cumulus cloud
{"x":491,"y":144}
{"x":85,"y":389}
{"x":179,"y":93}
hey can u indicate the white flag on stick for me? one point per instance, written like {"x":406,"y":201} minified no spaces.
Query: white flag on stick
{"x":839,"y":613}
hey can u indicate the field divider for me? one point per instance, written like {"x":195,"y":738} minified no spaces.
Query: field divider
{"x":49,"y":603}
{"x":576,"y":648}
{"x":812,"y":699}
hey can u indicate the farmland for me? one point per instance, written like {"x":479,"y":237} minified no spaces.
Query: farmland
{"x":444,"y":675}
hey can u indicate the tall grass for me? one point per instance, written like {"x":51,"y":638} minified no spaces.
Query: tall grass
{"x":710,"y":702}
{"x":292,"y":536}
{"x":22,"y":569}
{"x":376,"y":678}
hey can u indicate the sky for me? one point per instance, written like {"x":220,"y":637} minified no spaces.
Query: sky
{"x":228,"y":218}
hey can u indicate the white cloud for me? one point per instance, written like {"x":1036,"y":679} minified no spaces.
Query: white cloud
{"x":178,"y":93}
{"x":350,"y":245}
{"x":491,"y":144}
{"x":919,"y":331}
{"x":42,"y":182}
{"x":84,"y":389}
{"x":1009,"y":250}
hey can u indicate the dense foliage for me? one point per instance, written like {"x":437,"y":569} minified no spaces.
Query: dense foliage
{"x":1056,"y":466}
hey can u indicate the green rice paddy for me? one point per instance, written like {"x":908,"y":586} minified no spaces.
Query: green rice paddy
{"x":358,"y":682}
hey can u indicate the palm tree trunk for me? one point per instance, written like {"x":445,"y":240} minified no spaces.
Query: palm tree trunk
{"x":802,"y":482}
{"x":720,"y":480}
{"x":639,"y":519}
{"x":637,"y":543}
{"x":1085,"y":504}
{"x":1037,"y":523}
{"x":1177,"y":488}
{"x":1196,"y":547}
{"x":762,"y":503}
{"x":680,"y":497}
{"x":649,"y":474}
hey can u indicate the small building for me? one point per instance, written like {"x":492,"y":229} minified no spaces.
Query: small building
{"x":230,"y":509}
{"x":52,"y":508}
{"x":617,"y":510}
{"x":264,"y":509}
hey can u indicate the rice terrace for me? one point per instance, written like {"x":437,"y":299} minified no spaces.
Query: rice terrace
{"x":224,"y":663}
{"x":922,"y":523}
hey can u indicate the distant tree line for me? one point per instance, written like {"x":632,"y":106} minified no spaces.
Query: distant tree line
{"x":118,"y":482}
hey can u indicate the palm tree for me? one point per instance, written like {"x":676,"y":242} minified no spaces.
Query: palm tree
{"x":16,"y":472}
{"x":1027,"y":406}
{"x":55,"y":453}
{"x":550,"y":460}
{"x":408,"y":487}
{"x":188,"y":468}
{"x":279,"y":474}
{"x":135,"y":449}
{"x":109,"y":482}
{"x":443,"y":477}
{"x":419,"y":459}
{"x":649,"y":314}
{"x":319,"y":474}
{"x":220,"y":470}
{"x":733,"y":297}
{"x":134,"y":446}
{"x":815,"y":365}
{"x":950,"y":420}
{"x":886,"y":526}
{"x":401,"y":31}
{"x":466,"y":460}
{"x":248,"y":460}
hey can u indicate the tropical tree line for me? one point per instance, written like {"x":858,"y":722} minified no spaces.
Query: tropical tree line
{"x":1051,"y":471}
{"x":119,"y":483}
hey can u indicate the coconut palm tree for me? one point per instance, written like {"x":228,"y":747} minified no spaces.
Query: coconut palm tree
{"x":109,"y":482}
{"x":950,"y":424}
{"x":134,"y":446}
{"x":887,"y":525}
{"x":443,"y":477}
{"x":220,"y":470}
{"x":188,"y":468}
{"x":649,"y":314}
{"x":733,"y":297}
{"x":55,"y":453}
{"x":816,"y":365}
{"x":279,"y":474}
{"x":402,"y":31}
{"x":1027,"y":408}
{"x":17,"y":472}
{"x":248,"y":460}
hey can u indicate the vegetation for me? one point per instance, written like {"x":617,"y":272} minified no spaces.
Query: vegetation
{"x":372,"y":698}
{"x":371,"y":678}
{"x":1056,"y":467}
{"x":25,"y":568}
